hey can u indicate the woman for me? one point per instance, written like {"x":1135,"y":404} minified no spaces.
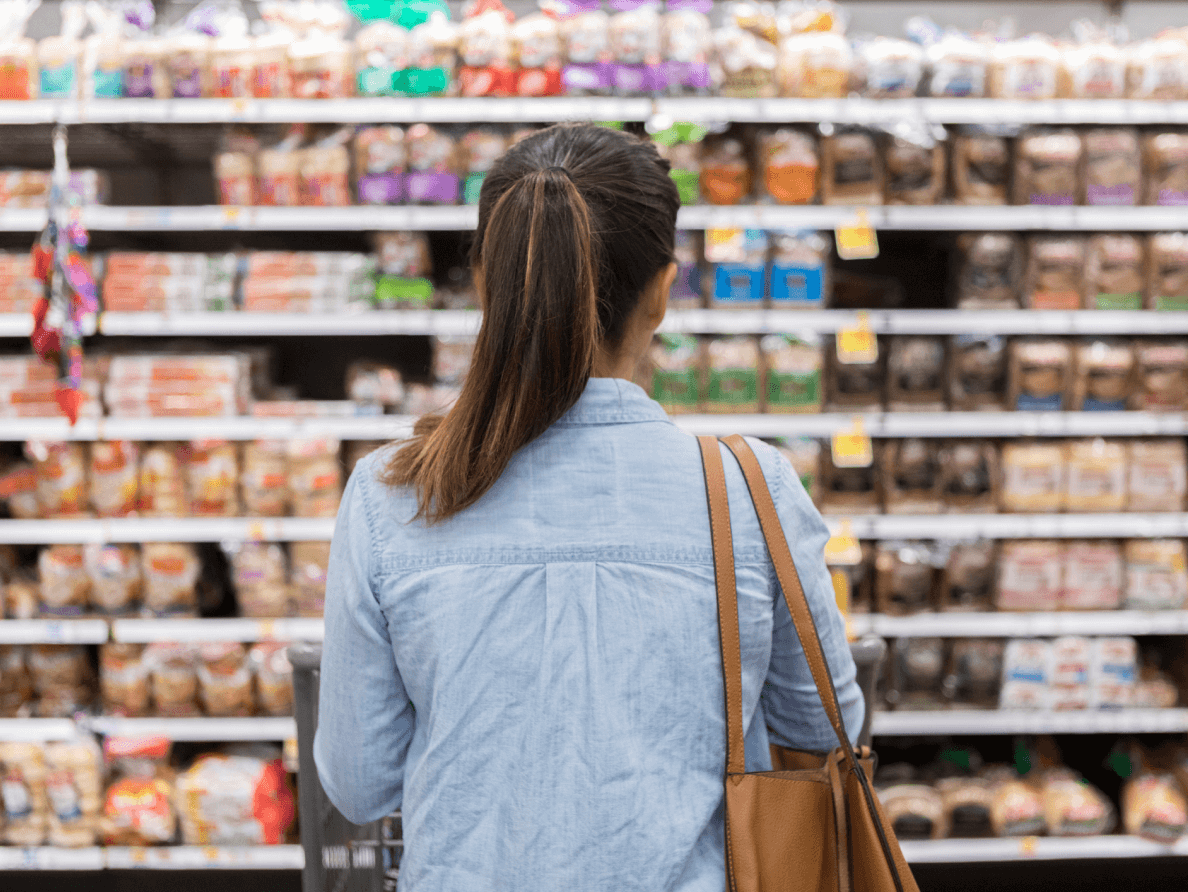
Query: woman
{"x":521,"y":634}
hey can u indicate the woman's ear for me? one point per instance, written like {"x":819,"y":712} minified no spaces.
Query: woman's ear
{"x":657,"y":294}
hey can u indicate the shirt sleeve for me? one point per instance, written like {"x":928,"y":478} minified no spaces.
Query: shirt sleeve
{"x":791,"y":704}
{"x":365,"y":719}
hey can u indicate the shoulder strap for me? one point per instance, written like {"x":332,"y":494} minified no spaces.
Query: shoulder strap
{"x":719,"y":514}
{"x":789,"y":579}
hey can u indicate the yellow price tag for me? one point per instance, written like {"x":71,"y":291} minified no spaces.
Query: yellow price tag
{"x":858,"y":345}
{"x":857,"y":241}
{"x":852,"y":448}
{"x":210,"y":853}
{"x":138,"y":855}
{"x":231,"y":214}
{"x":266,"y":629}
{"x":843,"y":550}
{"x":1027,"y":845}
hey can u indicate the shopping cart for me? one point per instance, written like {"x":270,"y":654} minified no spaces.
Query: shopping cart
{"x":344,"y":857}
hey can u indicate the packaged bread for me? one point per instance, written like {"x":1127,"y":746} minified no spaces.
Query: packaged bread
{"x":74,"y":792}
{"x":851,"y":169}
{"x":1041,"y":374}
{"x":890,"y":67}
{"x":969,"y":576}
{"x":745,"y":63}
{"x":114,"y":477}
{"x":1155,"y":69}
{"x":235,"y":178}
{"x":1093,"y":572}
{"x":212,"y":478}
{"x":321,"y":67}
{"x":725,"y":171}
{"x":224,"y":679}
{"x":1027,"y":68}
{"x":123,"y":679}
{"x":308,"y":563}
{"x":1156,"y":574}
{"x":914,"y":161}
{"x":381,"y":53}
{"x":1165,"y":165}
{"x":162,"y":487}
{"x":586,"y":33}
{"x":170,"y":572}
{"x":1026,"y":674}
{"x":1113,"y":672}
{"x":849,"y":490}
{"x":738,"y":270}
{"x":974,"y":672}
{"x":264,"y":480}
{"x":1167,"y":271}
{"x":914,"y":811}
{"x":23,"y":794}
{"x":315,"y":477}
{"x":278,"y":176}
{"x":173,"y":677}
{"x":114,"y":574}
{"x":791,"y":373}
{"x":799,"y":275}
{"x":732,"y":375}
{"x":1030,"y":575}
{"x":16,"y":685}
{"x":1115,"y":273}
{"x":978,"y":373}
{"x":1153,"y":807}
{"x":62,"y":679}
{"x":1055,"y":277}
{"x":1095,"y":69}
{"x":905,"y":578}
{"x":1154,"y":690}
{"x":1105,"y":375}
{"x":853,"y":384}
{"x":968,"y":476}
{"x":676,"y":375}
{"x":804,"y":454}
{"x":815,"y":65}
{"x":1095,"y":475}
{"x":1016,"y":808}
{"x":957,"y":66}
{"x":18,"y":487}
{"x":981,"y":168}
{"x":274,"y":677}
{"x":261,"y":580}
{"x":790,"y":166}
{"x":917,"y":670}
{"x":138,"y":811}
{"x":61,"y":470}
{"x":324,"y":172}
{"x":1157,"y":475}
{"x":687,"y":38}
{"x":1162,"y":376}
{"x":65,"y":588}
{"x":1073,"y":807}
{"x":911,"y":476}
{"x":916,"y":369}
{"x":1047,"y":167}
{"x":380,"y":162}
{"x":234,"y":800}
{"x":432,"y":166}
{"x":23,"y":598}
{"x":1113,"y":174}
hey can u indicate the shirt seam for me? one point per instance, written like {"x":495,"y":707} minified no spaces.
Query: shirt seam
{"x":369,"y":520}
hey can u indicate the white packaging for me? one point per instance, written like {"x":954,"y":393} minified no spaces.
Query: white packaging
{"x":1026,"y":674}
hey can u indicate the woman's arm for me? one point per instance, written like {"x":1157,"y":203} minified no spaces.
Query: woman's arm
{"x":790,"y":701}
{"x":365,"y":719}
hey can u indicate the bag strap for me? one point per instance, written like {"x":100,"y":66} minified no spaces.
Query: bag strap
{"x":728,"y":636}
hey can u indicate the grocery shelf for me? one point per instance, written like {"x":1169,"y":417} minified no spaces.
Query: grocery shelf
{"x":278,"y":857}
{"x":925,"y":723}
{"x":1021,"y":625}
{"x":16,"y":325}
{"x":51,"y":858}
{"x":1033,"y":848}
{"x":53,"y":631}
{"x":196,"y":729}
{"x":33,"y":730}
{"x":360,"y":427}
{"x":1015,"y":526}
{"x":167,"y":529}
{"x":141,"y":631}
{"x":366,"y":322}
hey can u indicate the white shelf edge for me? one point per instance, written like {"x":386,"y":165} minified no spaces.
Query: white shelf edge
{"x":360,"y":427}
{"x":51,"y":858}
{"x":199,"y":728}
{"x":143,"y":631}
{"x":929,"y":723}
{"x":372,"y":322}
{"x":1021,"y":624}
{"x":958,"y":851}
{"x":53,"y":631}
{"x":274,"y":857}
{"x":36,"y":730}
{"x":167,"y":529}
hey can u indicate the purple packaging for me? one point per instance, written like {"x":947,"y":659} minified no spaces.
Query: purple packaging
{"x":188,"y":86}
{"x":705,"y":7}
{"x":1051,"y":200}
{"x":598,"y":77}
{"x":432,"y":187}
{"x":138,"y":82}
{"x":687,"y":75}
{"x":639,"y":79}
{"x":381,"y":188}
{"x":1172,"y":198}
{"x":1112,"y":196}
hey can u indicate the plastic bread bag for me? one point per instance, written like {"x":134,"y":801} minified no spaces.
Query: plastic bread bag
{"x":138,"y":803}
{"x":59,"y":58}
{"x":969,"y":576}
{"x":905,"y":578}
{"x":65,"y":587}
{"x":744,"y":65}
{"x":891,"y":68}
{"x":790,"y":165}
{"x":321,"y":63}
{"x":1034,"y":477}
{"x":234,"y":800}
{"x":725,"y":169}
{"x":162,"y":485}
{"x":1093,"y":572}
{"x":173,"y":677}
{"x":123,"y":679}
{"x":74,"y":792}
{"x":1105,"y":375}
{"x":957,"y":66}
{"x":114,"y":478}
{"x":103,"y":57}
{"x":62,"y":679}
{"x":18,"y":53}
{"x":16,"y":686}
{"x":990,"y":270}
{"x":278,"y":172}
{"x":1155,"y":69}
{"x":1165,"y":165}
{"x":792,"y":373}
{"x":1095,"y":68}
{"x":585,"y":31}
{"x":61,"y":470}
{"x":235,"y":169}
{"x":18,"y":488}
{"x":800,"y":274}
{"x":324,"y":172}
{"x":676,"y":375}
{"x":1026,"y":673}
{"x":114,"y":573}
{"x":232,"y":53}
{"x":170,"y":573}
{"x":1167,"y":271}
{"x":738,"y":259}
{"x":1153,"y":807}
{"x":23,"y":801}
{"x":981,"y":168}
{"x":23,"y":598}
{"x":1055,"y":277}
{"x":974,"y":672}
{"x":485,"y":50}
{"x":264,"y":479}
{"x":967,"y":802}
{"x":308,"y":563}
{"x":451,"y":358}
{"x":381,"y":53}
{"x":1096,"y":475}
{"x":433,"y":166}
{"x":910,"y":474}
{"x":732,"y":375}
{"x":260,"y":577}
{"x":188,"y":56}
{"x":212,"y":478}
{"x":1156,"y":574}
{"x":537,"y":48}
{"x":432,"y":46}
{"x":636,"y":45}
{"x":274,"y":677}
{"x":1115,"y":273}
{"x":816,"y":65}
{"x":372,"y":383}
{"x":687,"y":43}
{"x":1162,"y":375}
{"x":1041,"y":375}
{"x":1016,"y":807}
{"x":969,"y":476}
{"x":915,"y":811}
{"x":479,"y":149}
{"x":1113,"y":174}
{"x":851,"y":168}
{"x":914,"y":160}
{"x":1047,"y":168}
{"x":146,"y":72}
{"x":315,"y":477}
{"x":1030,"y":575}
{"x":916,"y":370}
{"x":380,"y":162}
{"x":225,"y":679}
{"x":1027,"y":68}
{"x":1157,"y":475}
{"x":1073,"y":807}
{"x":917,"y":670}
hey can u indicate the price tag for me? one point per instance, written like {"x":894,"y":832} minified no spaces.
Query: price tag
{"x":852,"y":448}
{"x":231,"y":215}
{"x":842,"y":549}
{"x":239,"y":108}
{"x":138,"y":855}
{"x":266,"y":629}
{"x":256,"y":532}
{"x":210,"y":853}
{"x":857,"y":241}
{"x":858,"y":345}
{"x":1027,"y":846}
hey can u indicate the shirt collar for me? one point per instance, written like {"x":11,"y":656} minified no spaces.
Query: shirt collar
{"x":613,"y":401}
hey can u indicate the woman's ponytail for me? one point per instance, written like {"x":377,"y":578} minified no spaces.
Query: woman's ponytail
{"x":536,"y":278}
{"x":573,"y":223}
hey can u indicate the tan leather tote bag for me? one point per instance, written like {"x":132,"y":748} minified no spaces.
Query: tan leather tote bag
{"x":813,"y":824}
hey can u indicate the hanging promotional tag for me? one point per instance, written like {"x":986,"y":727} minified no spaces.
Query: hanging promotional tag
{"x":843,"y":550}
{"x":857,"y":345}
{"x":852,"y":448}
{"x":857,"y":241}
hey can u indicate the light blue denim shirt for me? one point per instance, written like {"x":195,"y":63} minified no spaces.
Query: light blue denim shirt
{"x":537,"y":681}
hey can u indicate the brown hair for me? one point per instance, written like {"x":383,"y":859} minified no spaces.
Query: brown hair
{"x":574,"y":222}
